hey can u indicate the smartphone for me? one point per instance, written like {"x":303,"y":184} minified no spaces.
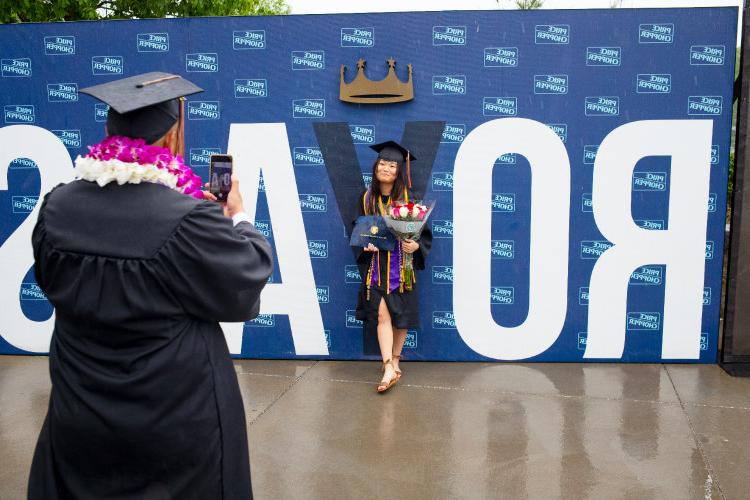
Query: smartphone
{"x":220,"y":176}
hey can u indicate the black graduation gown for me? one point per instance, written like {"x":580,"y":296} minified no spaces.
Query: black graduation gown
{"x":402,"y":306}
{"x":145,"y":402}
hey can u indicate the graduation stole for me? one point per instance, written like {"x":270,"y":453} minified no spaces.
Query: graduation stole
{"x":395,"y":275}
{"x":132,"y":161}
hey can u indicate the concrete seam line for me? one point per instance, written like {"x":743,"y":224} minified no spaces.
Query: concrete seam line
{"x":711,"y":475}
{"x":297,"y":379}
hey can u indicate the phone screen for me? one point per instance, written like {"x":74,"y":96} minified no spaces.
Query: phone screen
{"x":220,"y":174}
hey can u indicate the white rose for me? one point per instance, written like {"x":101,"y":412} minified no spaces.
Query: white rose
{"x":403,"y":212}
{"x":415,"y":211}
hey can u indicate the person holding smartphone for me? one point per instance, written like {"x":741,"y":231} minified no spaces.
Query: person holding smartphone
{"x":141,"y":266}
{"x":386,"y":310}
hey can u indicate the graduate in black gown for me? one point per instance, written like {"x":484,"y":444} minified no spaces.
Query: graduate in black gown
{"x":145,"y":402}
{"x":387,"y":309}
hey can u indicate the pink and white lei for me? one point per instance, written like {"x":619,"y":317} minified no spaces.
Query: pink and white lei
{"x":132,"y":161}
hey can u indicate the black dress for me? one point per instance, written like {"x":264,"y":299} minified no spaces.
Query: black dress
{"x":402,"y":306}
{"x":145,"y":402}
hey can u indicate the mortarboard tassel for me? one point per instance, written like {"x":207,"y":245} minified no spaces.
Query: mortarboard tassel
{"x":408,"y":168}
{"x":181,"y":129}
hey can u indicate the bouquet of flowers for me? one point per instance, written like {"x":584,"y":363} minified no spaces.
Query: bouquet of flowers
{"x":407,"y":221}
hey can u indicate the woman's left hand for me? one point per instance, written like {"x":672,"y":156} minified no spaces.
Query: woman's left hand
{"x":409,"y":246}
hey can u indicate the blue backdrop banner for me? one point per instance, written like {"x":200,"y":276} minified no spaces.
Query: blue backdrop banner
{"x":578,"y":160}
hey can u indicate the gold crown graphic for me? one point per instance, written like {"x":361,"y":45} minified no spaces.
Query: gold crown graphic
{"x":365,"y":91}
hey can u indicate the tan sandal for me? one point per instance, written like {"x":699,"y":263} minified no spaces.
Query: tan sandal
{"x":397,"y":370}
{"x":385,"y":385}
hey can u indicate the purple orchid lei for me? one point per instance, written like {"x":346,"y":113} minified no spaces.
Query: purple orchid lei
{"x":132,"y":161}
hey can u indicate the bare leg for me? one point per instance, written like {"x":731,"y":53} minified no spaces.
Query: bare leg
{"x":399,"y":337}
{"x":385,"y":339}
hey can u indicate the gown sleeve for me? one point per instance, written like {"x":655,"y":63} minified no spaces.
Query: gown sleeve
{"x":216,"y":271}
{"x":425,"y":244}
{"x":360,"y":255}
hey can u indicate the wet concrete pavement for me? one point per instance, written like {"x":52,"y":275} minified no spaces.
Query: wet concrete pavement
{"x":318,"y":430}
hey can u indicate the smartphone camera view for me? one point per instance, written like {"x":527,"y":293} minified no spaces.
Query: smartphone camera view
{"x":220,"y":176}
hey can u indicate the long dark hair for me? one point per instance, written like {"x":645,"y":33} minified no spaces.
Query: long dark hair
{"x":397,"y":193}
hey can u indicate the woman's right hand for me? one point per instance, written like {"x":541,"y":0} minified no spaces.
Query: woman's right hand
{"x":371,"y":248}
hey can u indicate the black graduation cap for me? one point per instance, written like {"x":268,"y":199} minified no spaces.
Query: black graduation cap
{"x":143,"y":106}
{"x":393,"y":151}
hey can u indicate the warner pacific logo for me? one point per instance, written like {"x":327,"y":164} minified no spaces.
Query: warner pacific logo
{"x":411,"y":339}
{"x":318,"y":249}
{"x":714,"y":154}
{"x":250,"y":88}
{"x":503,"y":202}
{"x":654,"y":84}
{"x":71,"y":138}
{"x":712,"y":202}
{"x":351,"y":274}
{"x":59,"y":45}
{"x":152,"y":42}
{"x":107,"y":65}
{"x":586,"y":203}
{"x":709,"y":250}
{"x":442,"y":228}
{"x":442,"y":320}
{"x":19,"y":113}
{"x":503,"y":249}
{"x":101,"y":111}
{"x":647,"y":275}
{"x":442,"y":275}
{"x":62,"y":92}
{"x":263,"y":321}
{"x":307,"y":156}
{"x":706,"y":296}
{"x":31,"y":291}
{"x":313,"y":202}
{"x":502,"y":295}
{"x":704,"y":105}
{"x":16,"y":67}
{"x":656,"y":33}
{"x":442,"y":181}
{"x":501,"y":57}
{"x":506,"y":159}
{"x":21,"y":163}
{"x":550,"y":84}
{"x":253,"y":39}
{"x":200,"y":157}
{"x":594,"y":249}
{"x":644,"y":321}
{"x":309,"y":108}
{"x":449,"y":35}
{"x":323,"y":296}
{"x":264,"y":228}
{"x":23,"y":204}
{"x":583,"y":296}
{"x":649,"y":181}
{"x":707,"y":55}
{"x":357,"y":37}
{"x":602,"y":106}
{"x":203,"y":110}
{"x":589,"y":153}
{"x":308,"y":59}
{"x":351,"y":319}
{"x":453,"y":133}
{"x":448,"y":85}
{"x":202,"y":63}
{"x":651,"y":225}
{"x":603,"y":56}
{"x":362,"y":134}
{"x":499,"y":106}
{"x":561,"y":129}
{"x":552,"y":34}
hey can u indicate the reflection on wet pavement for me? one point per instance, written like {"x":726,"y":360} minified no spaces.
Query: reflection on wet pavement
{"x":460,"y":430}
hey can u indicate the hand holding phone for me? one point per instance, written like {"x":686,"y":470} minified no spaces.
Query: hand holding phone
{"x":220,"y":176}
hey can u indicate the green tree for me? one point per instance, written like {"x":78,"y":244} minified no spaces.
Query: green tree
{"x":17,"y":11}
{"x":529,"y":4}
